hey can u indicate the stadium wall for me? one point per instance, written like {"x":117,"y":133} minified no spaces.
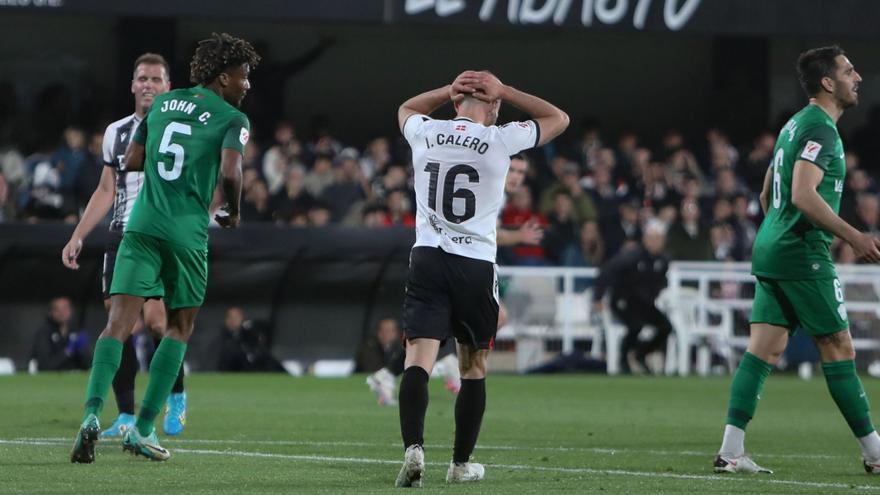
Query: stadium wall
{"x":320,"y":290}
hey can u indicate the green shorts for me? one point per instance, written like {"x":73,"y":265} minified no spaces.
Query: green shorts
{"x":817,"y":306}
{"x":151,"y":267}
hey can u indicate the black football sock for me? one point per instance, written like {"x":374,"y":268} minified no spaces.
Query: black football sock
{"x":123,"y":382}
{"x":469,"y":408}
{"x":413,"y":399}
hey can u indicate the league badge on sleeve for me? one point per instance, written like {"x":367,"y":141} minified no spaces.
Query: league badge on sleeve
{"x":811,"y":150}
{"x":244,"y":136}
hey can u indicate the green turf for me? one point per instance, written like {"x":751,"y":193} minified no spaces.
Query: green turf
{"x":579,"y":434}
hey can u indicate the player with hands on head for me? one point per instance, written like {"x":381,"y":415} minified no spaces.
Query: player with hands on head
{"x":451,"y":290}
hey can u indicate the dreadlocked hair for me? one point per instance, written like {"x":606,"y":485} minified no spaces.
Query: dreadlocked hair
{"x":218,"y":53}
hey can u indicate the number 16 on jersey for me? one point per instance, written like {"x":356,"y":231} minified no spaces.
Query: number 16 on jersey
{"x":450,"y":193}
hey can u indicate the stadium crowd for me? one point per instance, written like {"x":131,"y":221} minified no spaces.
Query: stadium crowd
{"x":590,"y":195}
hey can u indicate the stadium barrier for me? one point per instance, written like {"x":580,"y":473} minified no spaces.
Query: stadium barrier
{"x":708,"y":304}
{"x":320,"y":291}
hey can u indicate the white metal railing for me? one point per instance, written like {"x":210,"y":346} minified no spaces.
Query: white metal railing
{"x":568,"y":276}
{"x":699,"y":276}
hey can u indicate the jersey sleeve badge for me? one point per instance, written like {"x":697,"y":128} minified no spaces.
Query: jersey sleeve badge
{"x":811,"y":150}
{"x":243,"y":136}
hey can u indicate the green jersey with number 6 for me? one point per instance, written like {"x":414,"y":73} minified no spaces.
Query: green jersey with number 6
{"x":788,"y":245}
{"x":183,"y":135}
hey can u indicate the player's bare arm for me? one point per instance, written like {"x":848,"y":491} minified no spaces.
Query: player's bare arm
{"x":424,"y":104}
{"x":764,"y":197}
{"x":551,"y":120}
{"x":230,"y":172}
{"x":134,"y":157}
{"x":97,"y":208}
{"x":804,"y":197}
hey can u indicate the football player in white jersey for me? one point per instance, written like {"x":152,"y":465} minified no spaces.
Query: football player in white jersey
{"x":118,"y":188}
{"x":451,"y":290}
{"x":384,"y":382}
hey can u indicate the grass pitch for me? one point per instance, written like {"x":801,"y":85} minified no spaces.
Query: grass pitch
{"x":272,"y":434}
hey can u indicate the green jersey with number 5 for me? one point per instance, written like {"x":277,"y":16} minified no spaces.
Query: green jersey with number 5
{"x":183,"y":135}
{"x":788,"y":245}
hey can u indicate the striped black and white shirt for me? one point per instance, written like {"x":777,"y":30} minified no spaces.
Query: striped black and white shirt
{"x":128,"y":184}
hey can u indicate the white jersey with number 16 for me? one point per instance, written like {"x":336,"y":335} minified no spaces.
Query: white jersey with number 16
{"x":460,"y":167}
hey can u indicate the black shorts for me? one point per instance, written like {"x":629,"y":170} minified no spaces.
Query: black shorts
{"x":110,"y":262}
{"x":450,"y":295}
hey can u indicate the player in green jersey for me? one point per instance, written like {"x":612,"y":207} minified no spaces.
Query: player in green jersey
{"x":189,"y":138}
{"x":797,"y":286}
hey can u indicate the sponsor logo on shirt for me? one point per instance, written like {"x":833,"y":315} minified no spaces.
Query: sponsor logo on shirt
{"x":811,"y":150}
{"x":791,"y":128}
{"x":244,"y":136}
{"x":838,"y":185}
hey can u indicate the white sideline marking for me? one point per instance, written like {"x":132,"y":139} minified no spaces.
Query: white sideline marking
{"x":595,"y":450}
{"x":517,"y":467}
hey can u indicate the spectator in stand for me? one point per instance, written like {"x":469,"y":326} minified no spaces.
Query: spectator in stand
{"x":519,"y":212}
{"x":562,"y":231}
{"x":375,"y":215}
{"x":858,"y":182}
{"x":852,"y":160}
{"x":320,"y":176}
{"x":721,"y":152}
{"x":723,"y":242}
{"x":7,"y":208}
{"x":246,"y":345}
{"x":12,"y":170}
{"x":627,"y":146}
{"x":604,"y":193}
{"x":589,"y":251}
{"x":688,"y":239}
{"x":655,"y":188}
{"x":867,"y":213}
{"x":44,"y":198}
{"x":317,"y":216}
{"x":251,"y":158}
{"x":624,"y":231}
{"x":348,"y":189}
{"x":325,"y":143}
{"x":90,"y":171}
{"x":293,"y":199}
{"x":726,"y":185}
{"x":395,"y":177}
{"x":865,"y":141}
{"x":377,"y":350}
{"x":285,"y":152}
{"x":376,"y":158}
{"x":57,"y":345}
{"x":758,"y":159}
{"x":256,"y":207}
{"x":569,"y":182}
{"x":641,"y":159}
{"x":399,"y":208}
{"x":69,"y":157}
{"x":589,"y":144}
{"x":744,"y":210}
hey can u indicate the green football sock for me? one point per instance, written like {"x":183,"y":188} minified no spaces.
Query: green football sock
{"x":746,"y":389}
{"x":848,"y":394}
{"x":105,"y":362}
{"x":163,"y":373}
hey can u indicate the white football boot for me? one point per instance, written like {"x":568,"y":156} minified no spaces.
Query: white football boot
{"x":465,"y":472}
{"x":740,"y":464}
{"x":413,"y":468}
{"x":384,"y":385}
